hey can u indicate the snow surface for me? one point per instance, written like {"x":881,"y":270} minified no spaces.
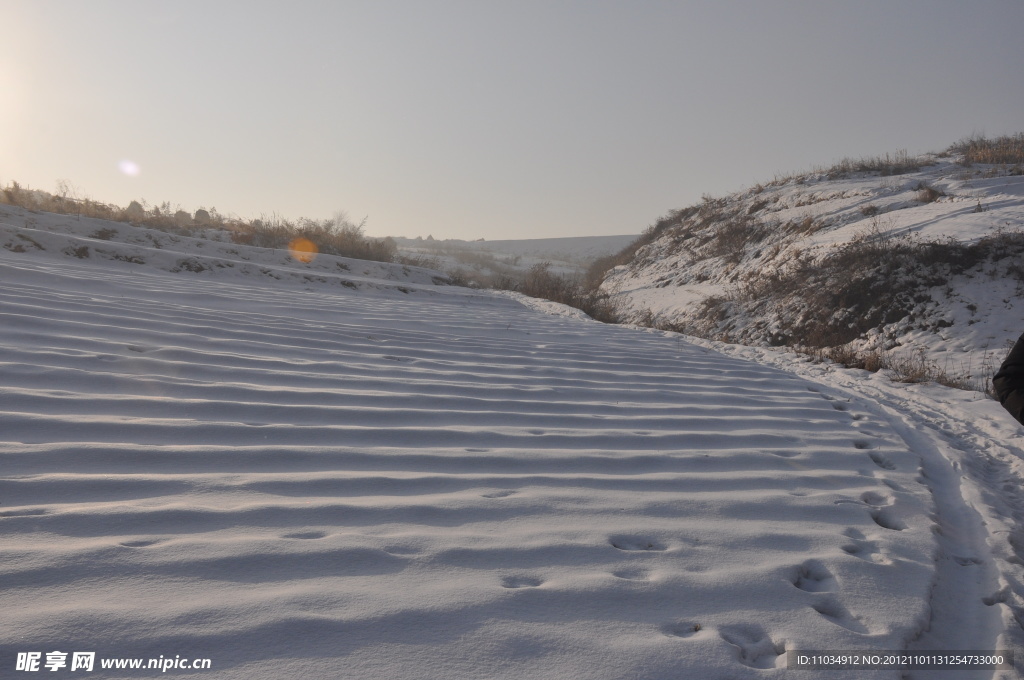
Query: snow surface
{"x":342,"y":469}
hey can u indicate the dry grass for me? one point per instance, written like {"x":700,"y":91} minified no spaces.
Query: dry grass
{"x":898,"y":163}
{"x":1001,"y":150}
{"x":909,"y":368}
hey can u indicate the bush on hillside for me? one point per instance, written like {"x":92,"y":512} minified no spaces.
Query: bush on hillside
{"x":1001,"y":150}
{"x":541,"y":282}
{"x":336,"y":236}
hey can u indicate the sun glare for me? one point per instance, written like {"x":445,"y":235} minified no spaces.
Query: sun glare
{"x":302,"y":249}
{"x":130,"y":168}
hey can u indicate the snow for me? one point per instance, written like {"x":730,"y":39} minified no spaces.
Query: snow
{"x":313,"y":470}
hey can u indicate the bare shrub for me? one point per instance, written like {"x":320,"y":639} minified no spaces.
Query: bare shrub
{"x":732,"y":235}
{"x":758,"y":206}
{"x":541,"y":282}
{"x":873,"y":360}
{"x":425,"y":261}
{"x":804,"y":226}
{"x":104,"y":234}
{"x":910,"y":369}
{"x":928,"y":194}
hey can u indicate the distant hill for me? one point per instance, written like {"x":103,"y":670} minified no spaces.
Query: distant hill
{"x":482,"y":261}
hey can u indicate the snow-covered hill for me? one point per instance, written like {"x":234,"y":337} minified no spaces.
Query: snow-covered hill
{"x":927,"y":260}
{"x":345,"y":469}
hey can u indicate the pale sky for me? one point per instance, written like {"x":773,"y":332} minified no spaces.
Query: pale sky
{"x":486,"y":118}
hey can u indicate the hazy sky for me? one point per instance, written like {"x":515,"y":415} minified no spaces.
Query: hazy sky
{"x":486,"y":118}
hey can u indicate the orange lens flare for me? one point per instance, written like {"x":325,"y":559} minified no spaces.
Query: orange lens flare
{"x":302,"y":249}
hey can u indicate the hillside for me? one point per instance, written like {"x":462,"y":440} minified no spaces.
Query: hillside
{"x":339,"y":468}
{"x":919,"y":256}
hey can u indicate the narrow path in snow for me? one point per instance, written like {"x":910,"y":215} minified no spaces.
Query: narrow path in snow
{"x":972,"y":460}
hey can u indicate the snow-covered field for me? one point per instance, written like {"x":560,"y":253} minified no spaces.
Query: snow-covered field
{"x":341,"y":469}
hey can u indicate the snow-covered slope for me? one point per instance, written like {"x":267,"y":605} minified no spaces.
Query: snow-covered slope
{"x":755,"y":266}
{"x":294,"y":477}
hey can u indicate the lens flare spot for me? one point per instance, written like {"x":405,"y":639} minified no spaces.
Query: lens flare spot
{"x":130,"y":168}
{"x":302,"y":249}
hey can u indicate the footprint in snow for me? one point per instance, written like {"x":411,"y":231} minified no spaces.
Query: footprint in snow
{"x":401,"y":550}
{"x":832,"y":610}
{"x":305,"y":534}
{"x":631,"y":543}
{"x":681,"y":629}
{"x":504,"y":493}
{"x":875,"y":499}
{"x":633,"y":574}
{"x":520,"y":582}
{"x":863,"y":549}
{"x":27,"y":512}
{"x":998,"y":597}
{"x":883,"y":517}
{"x":881,"y":461}
{"x":813,"y":577}
{"x":892,"y":485}
{"x":754,"y":647}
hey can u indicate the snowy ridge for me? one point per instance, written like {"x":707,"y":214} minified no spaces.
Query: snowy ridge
{"x":207,"y":252}
{"x":296,"y":478}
